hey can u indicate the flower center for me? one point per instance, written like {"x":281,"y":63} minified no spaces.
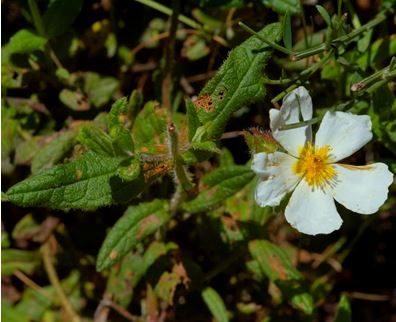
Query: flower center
{"x":314,"y":165}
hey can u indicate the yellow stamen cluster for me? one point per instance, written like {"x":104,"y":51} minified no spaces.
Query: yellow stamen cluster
{"x":314,"y":165}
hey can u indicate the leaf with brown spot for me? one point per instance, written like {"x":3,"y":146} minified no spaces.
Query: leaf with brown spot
{"x":169,"y":281}
{"x":204,"y":102}
{"x":273,"y":261}
{"x":137,"y":223}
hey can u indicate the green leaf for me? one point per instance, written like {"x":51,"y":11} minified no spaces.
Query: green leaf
{"x":166,"y":287}
{"x":118,"y":119}
{"x":156,"y":250}
{"x":208,"y":146}
{"x":283,"y":6}
{"x":287,"y":31}
{"x":25,"y":227}
{"x":303,"y":302}
{"x":273,"y":260}
{"x":238,"y":82}
{"x":88,"y":182}
{"x":130,"y":169}
{"x":215,"y":304}
{"x":136,"y":223}
{"x":220,"y":184}
{"x":100,"y":89}
{"x":134,"y":104}
{"x":15,"y":259}
{"x":60,"y":15}
{"x":9,"y":137}
{"x":36,"y":302}
{"x":12,"y":314}
{"x":74,"y":100}
{"x":149,"y":127}
{"x":96,"y":140}
{"x":325,"y":15}
{"x":53,"y":152}
{"x":25,"y":42}
{"x":124,"y":278}
{"x":195,"y":48}
{"x":365,"y":41}
{"x":344,"y":313}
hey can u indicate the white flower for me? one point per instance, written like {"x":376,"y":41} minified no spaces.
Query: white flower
{"x":308,"y":167}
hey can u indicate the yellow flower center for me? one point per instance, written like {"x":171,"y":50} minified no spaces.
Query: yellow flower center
{"x":314,"y":165}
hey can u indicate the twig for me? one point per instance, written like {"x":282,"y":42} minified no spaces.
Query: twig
{"x":369,"y":297}
{"x":119,"y":309}
{"x":231,"y":135}
{"x":54,"y":279}
{"x":25,"y":279}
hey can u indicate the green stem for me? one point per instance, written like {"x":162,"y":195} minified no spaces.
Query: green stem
{"x":303,"y":76}
{"x":54,"y":279}
{"x":268,"y":42}
{"x":161,"y":8}
{"x":37,"y":21}
{"x":300,"y":124}
{"x":382,"y":76}
{"x":343,"y":40}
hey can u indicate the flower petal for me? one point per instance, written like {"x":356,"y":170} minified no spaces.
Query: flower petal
{"x":296,"y":105}
{"x":362,"y":189}
{"x":312,"y":211}
{"x":296,"y":102}
{"x":277,"y":177}
{"x":344,"y":132}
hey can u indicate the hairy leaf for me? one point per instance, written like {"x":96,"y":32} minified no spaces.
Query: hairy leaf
{"x":136,"y":223}
{"x":96,"y":140}
{"x":192,"y":120}
{"x":88,"y":182}
{"x":149,"y":127}
{"x":238,"y":83}
{"x":219,"y":185}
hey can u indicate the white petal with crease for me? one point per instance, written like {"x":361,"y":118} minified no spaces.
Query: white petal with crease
{"x":362,"y":189}
{"x":312,"y":211}
{"x":297,"y":106}
{"x":345,"y":133}
{"x":296,"y":102}
{"x":277,"y":180}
